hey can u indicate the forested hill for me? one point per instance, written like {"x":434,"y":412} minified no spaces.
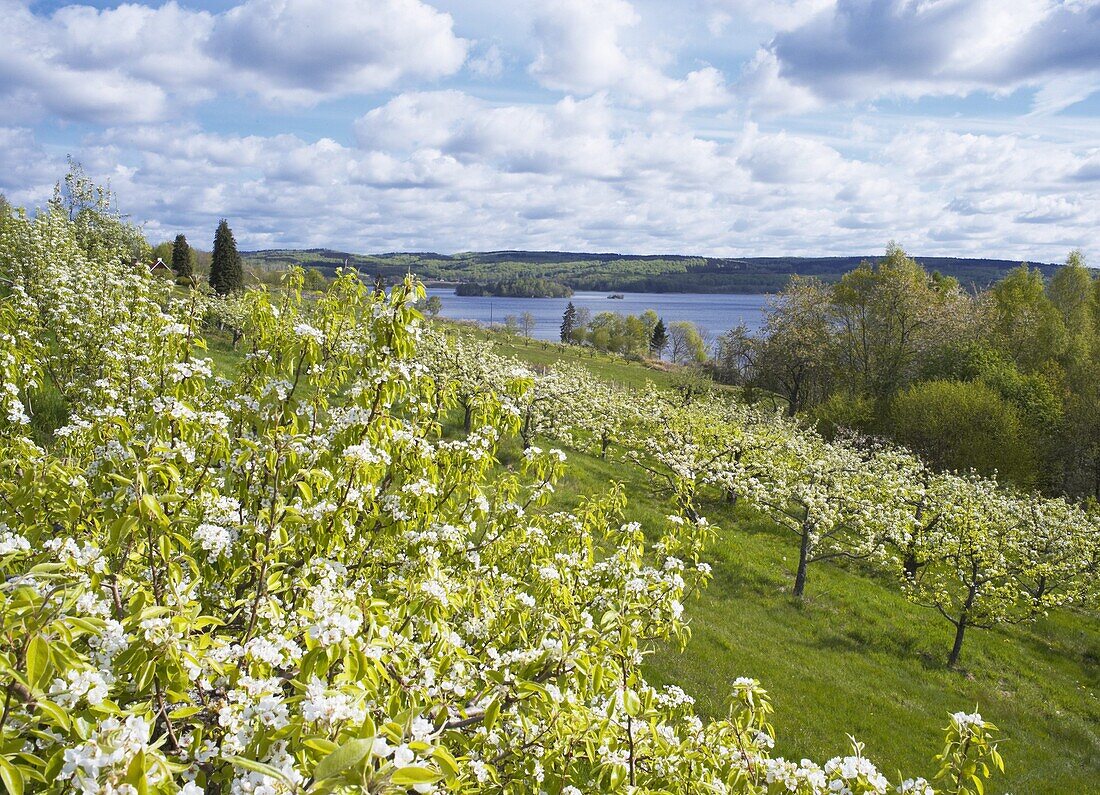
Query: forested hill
{"x":622,"y":272}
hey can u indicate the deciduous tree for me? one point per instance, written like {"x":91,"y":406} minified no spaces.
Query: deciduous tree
{"x":686,"y":344}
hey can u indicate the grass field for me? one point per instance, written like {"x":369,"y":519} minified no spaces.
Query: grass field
{"x":855,"y":656}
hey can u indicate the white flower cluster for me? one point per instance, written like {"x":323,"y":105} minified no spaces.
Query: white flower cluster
{"x":967,"y":721}
{"x":91,"y":686}
{"x":100,"y":765}
{"x":329,"y":708}
{"x":254,"y":704}
{"x":12,"y":542}
{"x":334,"y":616}
{"x":215,"y":540}
{"x":309,"y":332}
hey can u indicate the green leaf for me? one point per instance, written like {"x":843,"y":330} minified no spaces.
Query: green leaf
{"x":350,"y":753}
{"x":491,"y":713}
{"x":632,"y":704}
{"x":320,"y":744}
{"x":184,"y":712}
{"x":12,"y":778}
{"x":135,"y":773}
{"x":150,"y":505}
{"x":59,"y":716}
{"x":446,"y":762}
{"x":618,"y":776}
{"x":260,"y":767}
{"x":414,"y":774}
{"x":38,"y":659}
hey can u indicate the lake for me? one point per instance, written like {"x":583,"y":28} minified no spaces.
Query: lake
{"x":713,"y":313}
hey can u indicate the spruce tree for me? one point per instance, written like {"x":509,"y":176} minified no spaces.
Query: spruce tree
{"x":659,"y":341}
{"x":181,"y":258}
{"x":226,"y":272}
{"x":568,"y":323}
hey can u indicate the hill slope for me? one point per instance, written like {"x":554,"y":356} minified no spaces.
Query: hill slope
{"x":855,"y":655}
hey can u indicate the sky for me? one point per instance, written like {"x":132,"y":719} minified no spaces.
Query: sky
{"x":715,"y":127}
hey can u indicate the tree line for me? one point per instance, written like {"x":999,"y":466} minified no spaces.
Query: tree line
{"x":515,"y":287}
{"x":1004,"y":380}
{"x":222,"y":265}
{"x":634,"y":336}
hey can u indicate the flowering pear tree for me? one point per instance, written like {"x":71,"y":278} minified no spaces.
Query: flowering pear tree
{"x":469,"y":373}
{"x":677,"y":449}
{"x":973,"y":559}
{"x":1058,"y":545}
{"x":839,"y":500}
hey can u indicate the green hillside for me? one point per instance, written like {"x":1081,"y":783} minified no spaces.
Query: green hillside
{"x":624,"y":272}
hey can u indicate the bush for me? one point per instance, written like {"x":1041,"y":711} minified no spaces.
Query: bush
{"x":845,"y":411}
{"x":961,"y":425}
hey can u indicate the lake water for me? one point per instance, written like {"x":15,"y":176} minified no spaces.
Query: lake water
{"x":712,"y":313}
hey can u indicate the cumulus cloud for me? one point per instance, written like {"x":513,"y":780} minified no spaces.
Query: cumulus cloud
{"x":488,"y":62}
{"x":164,"y":47}
{"x":778,"y":14}
{"x":764,"y":90}
{"x":579,"y":48}
{"x":61,"y":68}
{"x":580,"y":52}
{"x":135,"y":63}
{"x":27,"y":172}
{"x":571,"y":137}
{"x":448,"y":171}
{"x":306,"y":50}
{"x":607,"y":129}
{"x":866,"y":49}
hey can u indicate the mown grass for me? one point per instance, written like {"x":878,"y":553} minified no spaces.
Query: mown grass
{"x":220,"y":349}
{"x":854,"y":656}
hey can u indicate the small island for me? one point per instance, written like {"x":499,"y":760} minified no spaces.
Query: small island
{"x":520,"y":287}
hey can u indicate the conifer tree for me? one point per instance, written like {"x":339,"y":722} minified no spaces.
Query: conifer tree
{"x":226,"y":272}
{"x":181,"y":257}
{"x":568,"y":323}
{"x":659,"y":341}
